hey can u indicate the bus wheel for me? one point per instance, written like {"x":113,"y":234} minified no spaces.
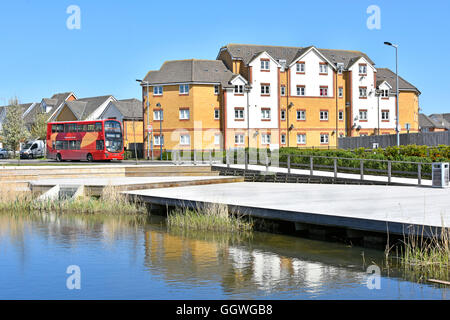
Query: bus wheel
{"x":58,"y":157}
{"x":90,"y":158}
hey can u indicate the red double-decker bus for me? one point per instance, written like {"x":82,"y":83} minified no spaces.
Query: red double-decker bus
{"x":85,"y":140}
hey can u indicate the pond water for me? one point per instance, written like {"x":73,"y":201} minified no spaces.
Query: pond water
{"x":121,"y":258}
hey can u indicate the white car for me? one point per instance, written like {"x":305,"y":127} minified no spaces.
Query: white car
{"x":32,"y":150}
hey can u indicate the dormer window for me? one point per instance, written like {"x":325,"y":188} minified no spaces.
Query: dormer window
{"x":385,"y":93}
{"x":238,"y":89}
{"x":265,"y":65}
{"x":362,"y":69}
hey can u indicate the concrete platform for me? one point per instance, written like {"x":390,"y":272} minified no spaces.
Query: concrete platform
{"x":358,"y":207}
{"x":94,"y":186}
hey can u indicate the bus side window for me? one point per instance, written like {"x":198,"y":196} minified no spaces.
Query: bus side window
{"x":90,"y":127}
{"x":98,"y":126}
{"x":59,"y":145}
{"x":54,"y":128}
{"x":100,"y":145}
{"x":66,"y":145}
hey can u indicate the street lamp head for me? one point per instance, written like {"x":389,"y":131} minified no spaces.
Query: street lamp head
{"x":388,"y":43}
{"x":138,"y":80}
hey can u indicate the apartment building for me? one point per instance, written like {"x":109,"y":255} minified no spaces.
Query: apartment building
{"x":273,"y":96}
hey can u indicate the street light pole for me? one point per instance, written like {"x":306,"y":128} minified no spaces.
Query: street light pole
{"x":149,"y":141}
{"x":160,"y":129}
{"x":397,"y":96}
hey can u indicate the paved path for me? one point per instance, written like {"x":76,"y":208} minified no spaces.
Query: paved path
{"x":360,"y":207}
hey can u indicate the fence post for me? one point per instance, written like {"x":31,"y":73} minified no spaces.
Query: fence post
{"x":289,"y":163}
{"x":267,"y":164}
{"x":210,"y":158}
{"x":389,"y":171}
{"x":419,"y":174}
{"x":227,"y":158}
{"x":311,"y":165}
{"x":195,"y":158}
{"x":361,"y":168}
{"x":246,"y":160}
{"x":335,"y":167}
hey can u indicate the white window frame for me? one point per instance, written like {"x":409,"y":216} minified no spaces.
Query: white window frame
{"x":383,"y":113}
{"x":364,"y":69}
{"x":301,"y":91}
{"x":323,"y":68}
{"x":283,"y":114}
{"x":158,"y":139}
{"x":363,"y":115}
{"x":158,"y":115}
{"x":301,"y":138}
{"x":265,"y":89}
{"x":340,"y":115}
{"x":240,"y":114}
{"x":184,"y":114}
{"x":183,"y":89}
{"x":265,"y":114}
{"x":301,"y":114}
{"x":239,"y":89}
{"x":157,"y":90}
{"x":185,"y":140}
{"x":216,"y":89}
{"x":216,"y":114}
{"x":239,"y":139}
{"x":300,"y":67}
{"x":217,"y":139}
{"x":324,"y":138}
{"x":283,"y":90}
{"x":341,"y":92}
{"x":265,"y":65}
{"x":265,"y":138}
{"x":323,"y":115}
{"x":323,"y":88}
{"x":283,"y":138}
{"x":362,"y":92}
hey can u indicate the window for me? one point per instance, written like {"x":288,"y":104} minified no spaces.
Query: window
{"x":184,"y":114}
{"x":185,"y":140}
{"x":265,"y":64}
{"x":301,"y":90}
{"x":239,"y":139}
{"x":238,"y":89}
{"x":159,"y":140}
{"x":98,"y":126}
{"x":362,"y":69}
{"x":184,"y":89}
{"x":341,"y":115}
{"x":341,"y":92}
{"x":323,"y":67}
{"x":362,"y":115}
{"x":283,"y":90}
{"x":238,"y":113}
{"x":74,"y":145}
{"x":157,"y":115}
{"x":100,"y":145}
{"x":362,"y":92}
{"x":283,"y":114}
{"x":385,"y":93}
{"x":301,"y":114}
{"x":324,"y":91}
{"x":157,"y":91}
{"x":216,"y":114}
{"x":301,"y":138}
{"x":265,"y":138}
{"x":323,"y":115}
{"x":59,"y":145}
{"x":283,"y":138}
{"x":324,"y":138}
{"x":217,"y":139}
{"x":216,"y":89}
{"x":265,"y":89}
{"x":265,"y":114}
{"x":384,"y":115}
{"x":300,"y":67}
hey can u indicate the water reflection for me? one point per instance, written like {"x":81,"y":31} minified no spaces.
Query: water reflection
{"x":154,"y":262}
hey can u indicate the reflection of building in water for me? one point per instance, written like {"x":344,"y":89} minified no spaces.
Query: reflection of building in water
{"x":240,"y":269}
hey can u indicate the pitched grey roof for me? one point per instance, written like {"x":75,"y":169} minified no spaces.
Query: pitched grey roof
{"x":188,"y":71}
{"x":389,"y":76}
{"x":30,"y":117}
{"x":77,"y":107}
{"x":427,"y":122}
{"x":92,"y":104}
{"x":440,"y":119}
{"x":245,"y":52}
{"x":130,"y":108}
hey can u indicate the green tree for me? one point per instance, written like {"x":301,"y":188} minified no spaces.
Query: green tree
{"x":13,"y":130}
{"x":39,"y":128}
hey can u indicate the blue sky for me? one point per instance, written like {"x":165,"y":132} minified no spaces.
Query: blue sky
{"x":120,"y":41}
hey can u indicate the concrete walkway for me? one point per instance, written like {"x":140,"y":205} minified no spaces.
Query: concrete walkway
{"x":320,"y":173}
{"x":359,"y":207}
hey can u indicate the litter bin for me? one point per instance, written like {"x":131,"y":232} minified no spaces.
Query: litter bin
{"x":440,"y":174}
